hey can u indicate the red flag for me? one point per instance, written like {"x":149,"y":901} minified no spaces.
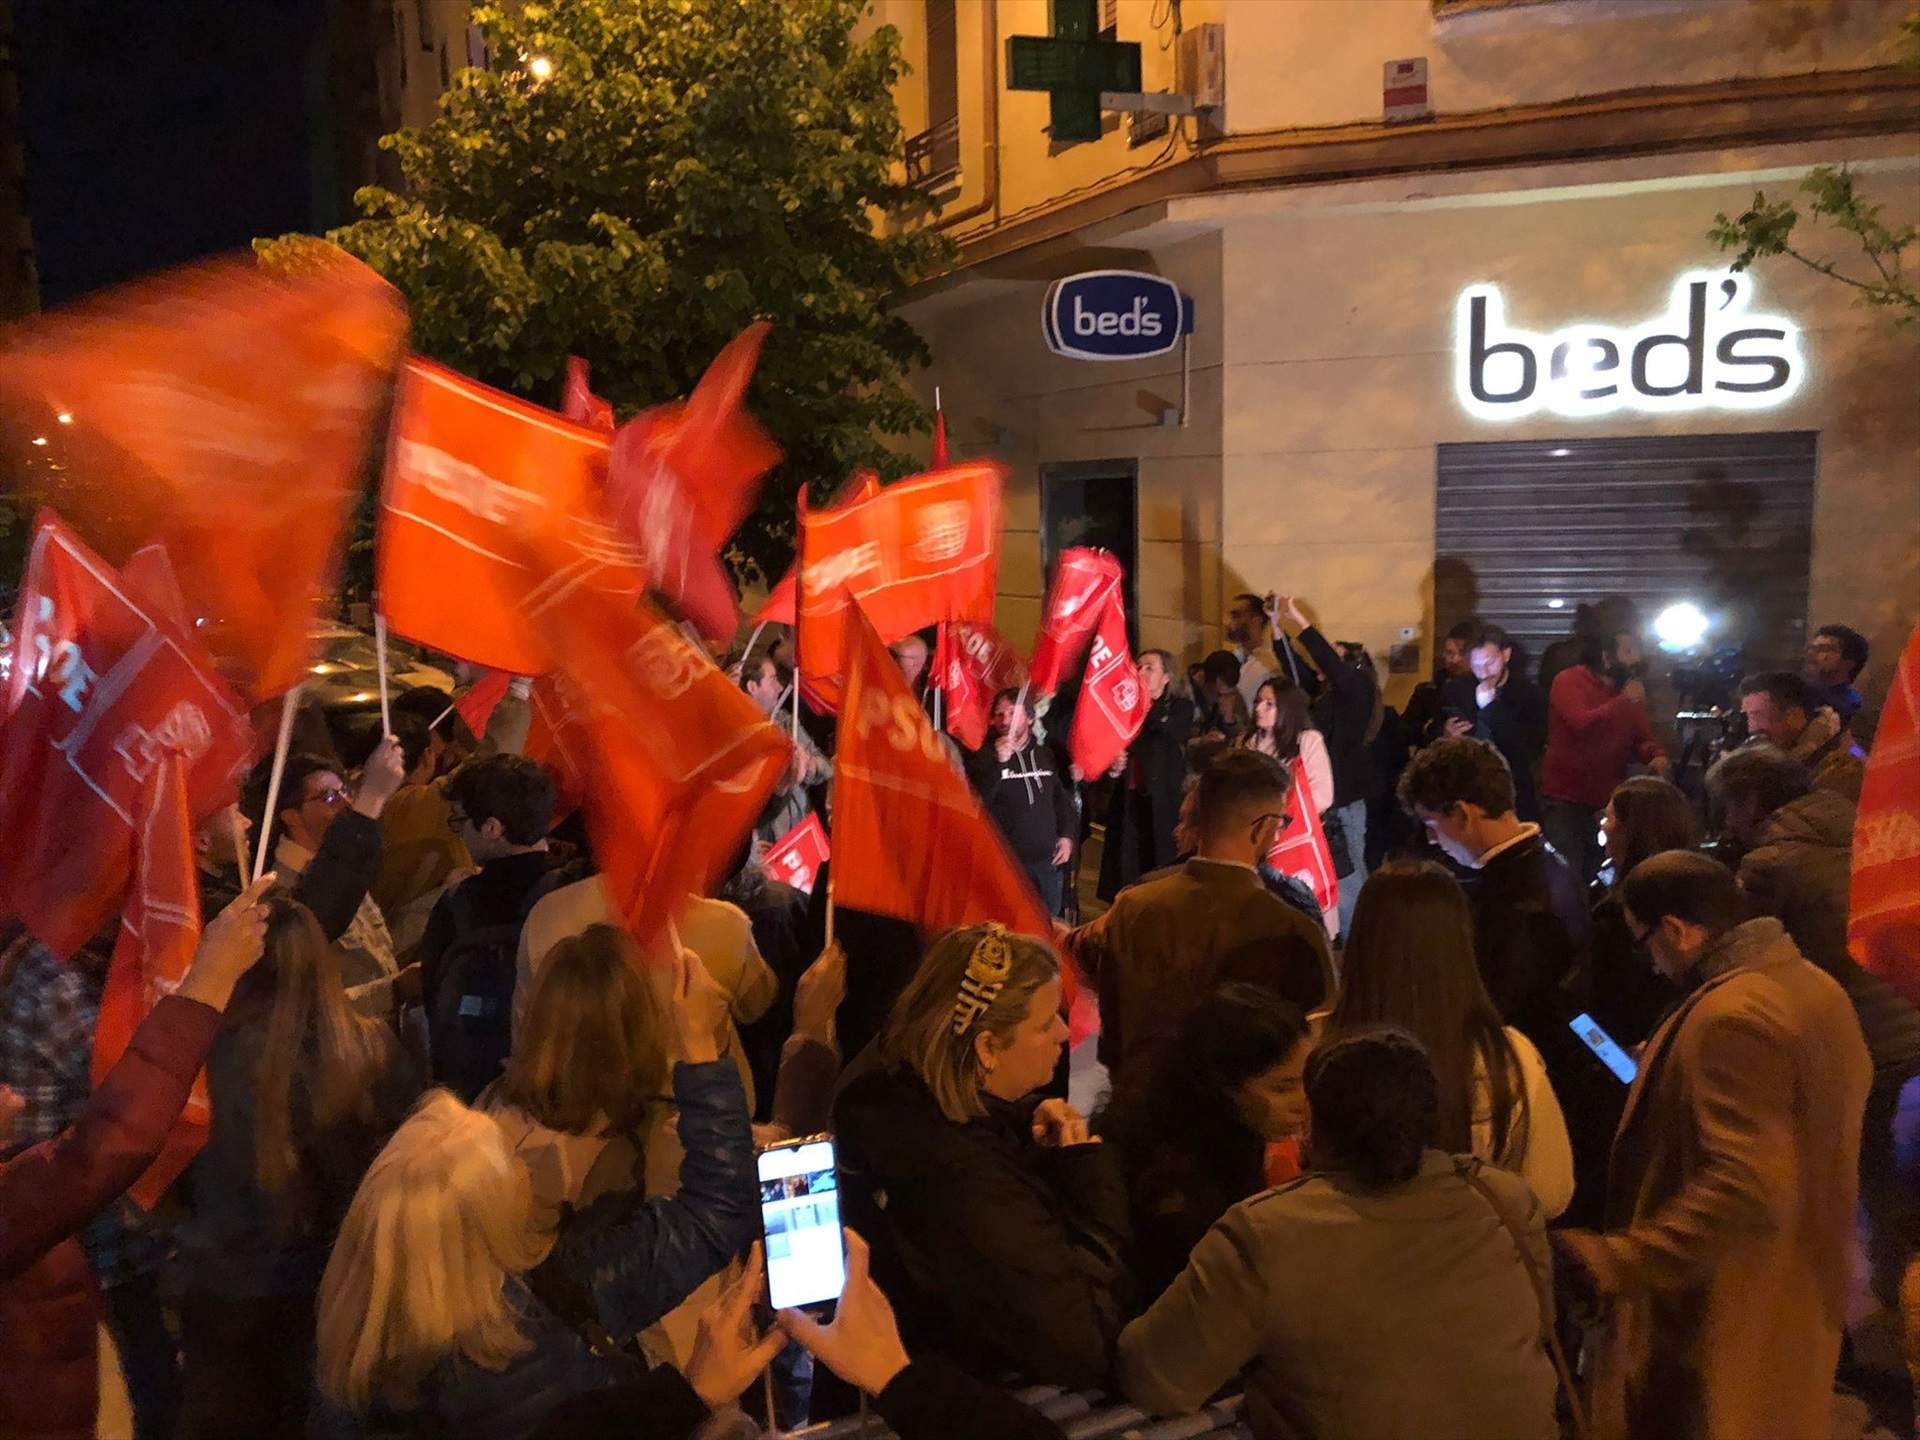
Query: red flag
{"x":939,"y":460}
{"x":1112,"y":705}
{"x":471,"y":471}
{"x":922,"y":551}
{"x":971,"y":665}
{"x":551,"y":743}
{"x":680,"y":761}
{"x":223,"y":411}
{"x":1883,"y":926}
{"x":778,"y":609}
{"x":476,"y":707}
{"x":104,"y":686}
{"x":1081,"y":584}
{"x":683,"y":477}
{"x":909,"y":836}
{"x":580,"y":404}
{"x":797,"y":856}
{"x":159,"y":929}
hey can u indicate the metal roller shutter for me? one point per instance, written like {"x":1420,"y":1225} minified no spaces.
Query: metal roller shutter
{"x":1528,"y":529}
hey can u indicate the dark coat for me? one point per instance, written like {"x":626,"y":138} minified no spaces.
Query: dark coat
{"x":1146,"y":797}
{"x":1344,"y":715}
{"x":1516,"y":723}
{"x":998,"y":1253}
{"x":1531,"y":931}
{"x":48,"y":1382}
{"x":332,"y":886}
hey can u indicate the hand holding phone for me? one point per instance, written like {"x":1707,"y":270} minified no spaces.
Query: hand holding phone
{"x":726,"y":1353}
{"x":862,"y":1345}
{"x":1604,"y":1046}
{"x":800,"y":1218}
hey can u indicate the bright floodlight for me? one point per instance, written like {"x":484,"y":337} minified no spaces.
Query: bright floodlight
{"x":1681,"y":626}
{"x":540,"y":67}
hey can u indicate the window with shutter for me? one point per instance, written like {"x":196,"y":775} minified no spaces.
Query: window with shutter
{"x":934,"y":154}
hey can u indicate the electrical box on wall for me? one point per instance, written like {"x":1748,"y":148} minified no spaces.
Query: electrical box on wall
{"x":1200,"y":71}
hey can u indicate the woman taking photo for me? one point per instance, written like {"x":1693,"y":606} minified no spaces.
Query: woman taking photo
{"x":1644,"y":816}
{"x":997,"y":1221}
{"x":1191,"y":1127}
{"x":1387,"y":1293}
{"x":1409,"y":962}
{"x":304,"y":1091}
{"x":1281,"y":729}
{"x":437,"y":1313}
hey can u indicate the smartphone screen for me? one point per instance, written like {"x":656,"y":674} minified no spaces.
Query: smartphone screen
{"x":1602,"y":1044}
{"x":800,"y":1218}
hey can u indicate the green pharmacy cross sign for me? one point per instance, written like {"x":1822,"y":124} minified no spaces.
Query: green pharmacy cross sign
{"x":1074,"y":66}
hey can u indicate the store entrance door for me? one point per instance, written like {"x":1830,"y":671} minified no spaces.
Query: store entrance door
{"x":1097,"y":503}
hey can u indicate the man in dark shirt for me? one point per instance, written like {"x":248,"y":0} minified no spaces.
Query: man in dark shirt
{"x":1020,"y":785}
{"x":1495,"y":702}
{"x":502,"y":807}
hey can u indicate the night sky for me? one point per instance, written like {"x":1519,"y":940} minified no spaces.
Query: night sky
{"x":157,"y":131}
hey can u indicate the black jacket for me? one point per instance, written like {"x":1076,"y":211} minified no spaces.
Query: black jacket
{"x":1344,"y":714}
{"x":1531,"y":931}
{"x":1027,"y":799}
{"x":1516,"y":723}
{"x":998,"y":1253}
{"x":332,"y":886}
{"x":498,"y":895}
{"x":1146,"y":797}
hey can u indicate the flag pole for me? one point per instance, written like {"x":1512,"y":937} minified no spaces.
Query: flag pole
{"x":380,"y":650}
{"x":829,"y":905}
{"x":287,"y":708}
{"x":239,"y":842}
{"x":752,"y":640}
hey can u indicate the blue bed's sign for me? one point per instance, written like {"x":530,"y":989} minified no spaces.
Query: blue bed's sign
{"x":1115,"y":315}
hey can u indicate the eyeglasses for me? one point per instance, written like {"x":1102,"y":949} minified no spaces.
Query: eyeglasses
{"x":456,"y":817}
{"x":333,"y":797}
{"x":1640,"y":937}
{"x":1281,"y":816}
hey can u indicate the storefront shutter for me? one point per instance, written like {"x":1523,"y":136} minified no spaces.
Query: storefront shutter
{"x":1528,"y":529}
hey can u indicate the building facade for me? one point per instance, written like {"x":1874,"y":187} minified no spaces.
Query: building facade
{"x":1485,"y":362}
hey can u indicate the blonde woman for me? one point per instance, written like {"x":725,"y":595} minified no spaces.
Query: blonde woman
{"x":303,"y":1090}
{"x":431,"y":1318}
{"x":1003,"y":1220}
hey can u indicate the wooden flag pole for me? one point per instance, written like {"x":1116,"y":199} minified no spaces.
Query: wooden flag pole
{"x":287,"y":708}
{"x":380,"y":650}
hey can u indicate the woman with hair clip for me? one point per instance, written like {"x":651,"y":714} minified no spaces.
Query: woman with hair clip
{"x":446,"y":1310}
{"x":1192,"y":1125}
{"x":1410,"y":962}
{"x":1644,"y":816}
{"x":1394,"y":1291}
{"x":997,"y":1221}
{"x":1281,"y":728}
{"x":303,"y":1091}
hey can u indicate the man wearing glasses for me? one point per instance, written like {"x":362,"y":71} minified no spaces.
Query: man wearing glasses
{"x":1171,"y":939}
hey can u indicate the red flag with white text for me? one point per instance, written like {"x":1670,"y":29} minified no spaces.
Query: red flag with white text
{"x":972,"y":664}
{"x":471,"y":471}
{"x":1081,"y":584}
{"x":675,"y":762}
{"x":797,"y":856}
{"x":919,"y":552}
{"x":778,"y":608}
{"x":1883,"y":921}
{"x":224,"y":411}
{"x":159,"y":929}
{"x":1113,"y":704}
{"x":909,"y":835}
{"x":683,"y":476}
{"x":105,"y":684}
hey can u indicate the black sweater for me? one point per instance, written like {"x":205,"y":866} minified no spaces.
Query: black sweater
{"x":1026,"y":797}
{"x":1516,"y":723}
{"x":1344,"y":711}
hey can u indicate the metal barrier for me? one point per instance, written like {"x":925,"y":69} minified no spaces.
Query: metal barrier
{"x":1081,"y":1414}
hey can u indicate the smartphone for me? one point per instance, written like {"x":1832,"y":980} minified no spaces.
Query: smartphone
{"x":800,"y":1221}
{"x":1602,"y":1044}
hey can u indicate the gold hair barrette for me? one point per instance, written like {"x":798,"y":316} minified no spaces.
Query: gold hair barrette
{"x":987,"y":970}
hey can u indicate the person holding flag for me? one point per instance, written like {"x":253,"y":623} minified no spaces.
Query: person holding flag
{"x":1149,"y":778}
{"x":1019,"y":783}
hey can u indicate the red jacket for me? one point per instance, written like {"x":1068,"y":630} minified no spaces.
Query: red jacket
{"x":1593,"y":733}
{"x":48,"y":1383}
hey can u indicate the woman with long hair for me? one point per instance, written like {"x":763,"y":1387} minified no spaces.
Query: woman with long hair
{"x":303,"y":1090}
{"x":1645,"y":815}
{"x":1004,"y":1220}
{"x":447,"y":1310}
{"x":1281,"y":727}
{"x":1409,"y":962}
{"x":1192,"y":1125}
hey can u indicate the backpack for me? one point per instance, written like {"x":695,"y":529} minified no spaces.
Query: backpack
{"x":470,"y":1012}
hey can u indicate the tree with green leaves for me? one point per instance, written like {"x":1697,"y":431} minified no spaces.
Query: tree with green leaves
{"x":635,"y":181}
{"x":1833,"y":195}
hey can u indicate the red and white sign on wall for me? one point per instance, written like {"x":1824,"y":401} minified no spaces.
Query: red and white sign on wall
{"x":1403,"y":91}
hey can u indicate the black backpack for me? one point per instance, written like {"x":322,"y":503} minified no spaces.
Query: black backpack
{"x":470,"y":1012}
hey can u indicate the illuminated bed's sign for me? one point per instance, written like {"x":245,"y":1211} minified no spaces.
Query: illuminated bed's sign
{"x":1706,"y":352}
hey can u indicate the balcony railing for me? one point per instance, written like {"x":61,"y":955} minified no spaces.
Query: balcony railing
{"x":933,"y":156}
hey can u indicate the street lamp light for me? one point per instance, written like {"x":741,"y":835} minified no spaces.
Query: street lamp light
{"x":540,"y":67}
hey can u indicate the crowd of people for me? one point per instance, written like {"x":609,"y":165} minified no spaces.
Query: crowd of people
{"x":1458,"y":1086}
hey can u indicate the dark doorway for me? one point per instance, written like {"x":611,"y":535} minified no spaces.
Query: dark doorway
{"x":1097,"y":503}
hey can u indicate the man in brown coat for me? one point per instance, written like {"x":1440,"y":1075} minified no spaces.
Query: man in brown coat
{"x":1731,"y":1196}
{"x":1173,"y":937}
